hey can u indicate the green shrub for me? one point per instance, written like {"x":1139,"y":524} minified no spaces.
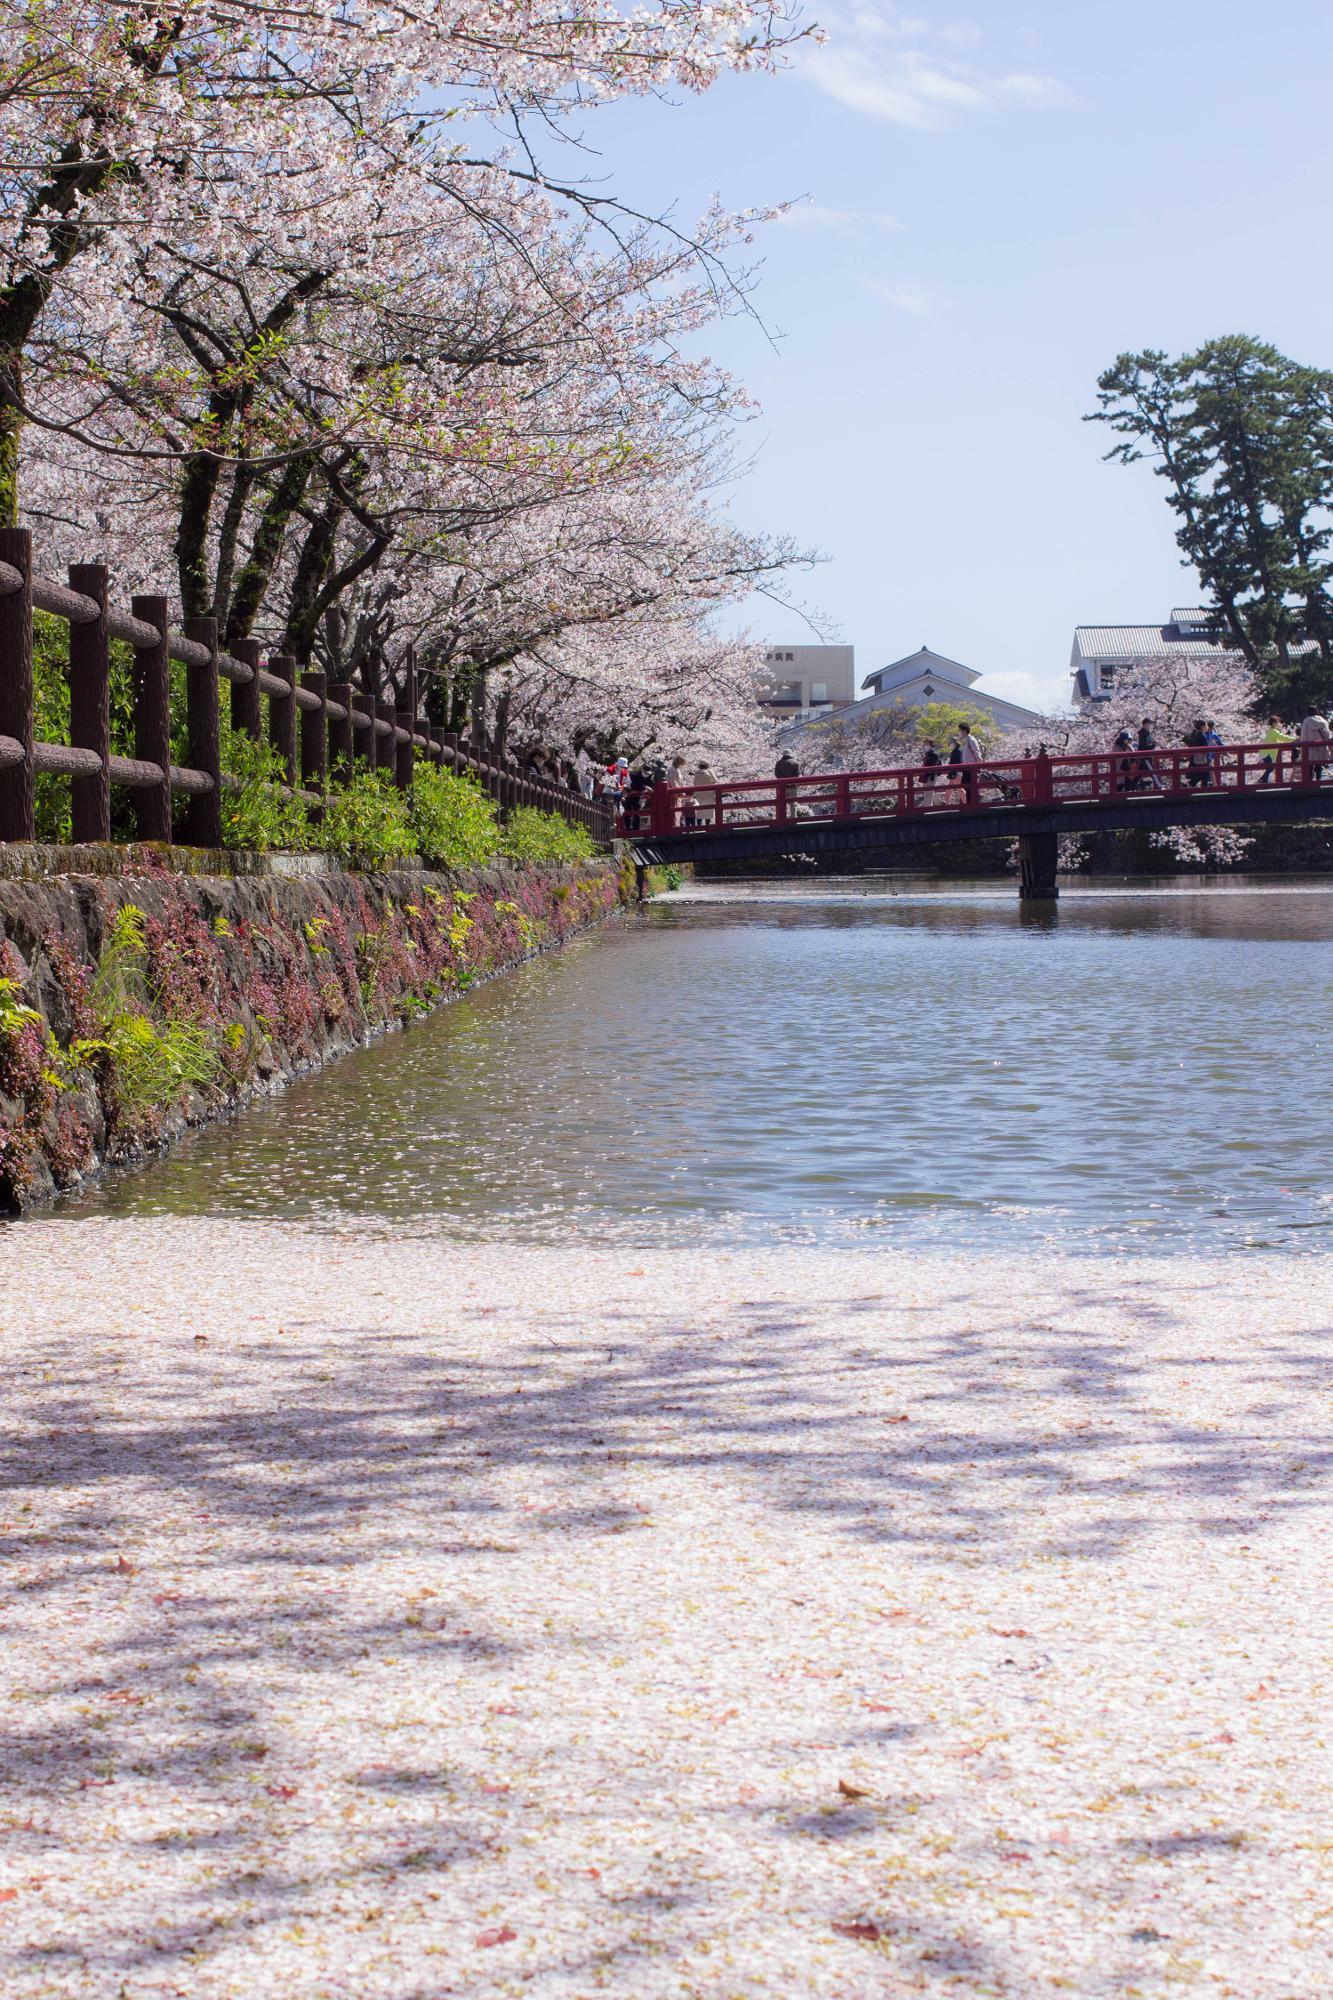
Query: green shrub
{"x":452,"y":819}
{"x":365,"y":822}
{"x":537,"y":836}
{"x":261,"y":814}
{"x":151,"y":1066}
{"x":50,"y":679}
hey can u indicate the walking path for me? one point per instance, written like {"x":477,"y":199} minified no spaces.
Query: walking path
{"x":385,"y":1619}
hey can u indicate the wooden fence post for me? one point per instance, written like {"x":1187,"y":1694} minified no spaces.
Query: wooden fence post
{"x":315,"y":734}
{"x":341,"y":747}
{"x":152,"y":720}
{"x":203,"y":814}
{"x":16,"y":781}
{"x":364,"y":704}
{"x":385,"y":749}
{"x":90,"y":706}
{"x":406,"y":718}
{"x":282,"y":715}
{"x":246,"y":715}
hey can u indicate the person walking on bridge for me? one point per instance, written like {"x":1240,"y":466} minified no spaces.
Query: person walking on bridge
{"x":969,"y":756}
{"x":1276,"y":737}
{"x":1147,"y":770}
{"x":1200,"y":764}
{"x":786,"y":767}
{"x":1315,"y":739}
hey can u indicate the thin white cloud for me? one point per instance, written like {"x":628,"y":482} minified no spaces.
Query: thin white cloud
{"x":908,"y":299}
{"x":1040,"y":92}
{"x":840,"y":221}
{"x":911,"y":72}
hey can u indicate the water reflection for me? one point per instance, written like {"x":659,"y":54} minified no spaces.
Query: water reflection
{"x":850,"y":1061}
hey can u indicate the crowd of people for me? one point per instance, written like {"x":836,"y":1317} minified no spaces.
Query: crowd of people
{"x":956,"y":771}
{"x":1287,"y":753}
{"x":625,"y":787}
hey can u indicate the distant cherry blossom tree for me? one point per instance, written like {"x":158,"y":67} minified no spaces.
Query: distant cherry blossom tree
{"x":1173,"y":691}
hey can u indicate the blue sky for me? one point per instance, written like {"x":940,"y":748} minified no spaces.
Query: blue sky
{"x":998,"y":202}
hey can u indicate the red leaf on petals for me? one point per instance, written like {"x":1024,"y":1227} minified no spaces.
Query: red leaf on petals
{"x":871,"y":1932}
{"x":282,"y":1791}
{"x":501,"y":1935}
{"x":7,"y":1895}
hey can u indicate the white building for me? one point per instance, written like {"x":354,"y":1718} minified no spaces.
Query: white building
{"x":808,"y":680}
{"x":926,"y":677}
{"x":1100,"y":652}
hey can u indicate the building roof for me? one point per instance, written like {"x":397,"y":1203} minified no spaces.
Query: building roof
{"x":1138,"y":642}
{"x":913,"y":664}
{"x":1007,"y":712}
{"x":1193,"y":615}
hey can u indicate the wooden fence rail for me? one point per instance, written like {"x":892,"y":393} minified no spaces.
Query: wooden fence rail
{"x":314,"y":726}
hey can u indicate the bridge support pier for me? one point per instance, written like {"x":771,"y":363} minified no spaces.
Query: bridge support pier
{"x":1037,"y":857}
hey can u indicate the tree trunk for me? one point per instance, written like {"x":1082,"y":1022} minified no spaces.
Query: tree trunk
{"x":11,"y":432}
{"x":265,"y":547}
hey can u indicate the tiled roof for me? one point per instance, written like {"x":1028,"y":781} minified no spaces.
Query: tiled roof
{"x":1134,"y":642}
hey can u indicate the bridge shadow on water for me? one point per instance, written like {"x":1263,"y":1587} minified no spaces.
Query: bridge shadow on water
{"x":945,"y":1440}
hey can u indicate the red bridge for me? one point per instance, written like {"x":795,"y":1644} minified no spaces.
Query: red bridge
{"x":1031,"y":799}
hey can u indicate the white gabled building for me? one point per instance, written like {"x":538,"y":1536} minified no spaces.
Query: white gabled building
{"x":926,"y":677}
{"x":1101,"y":652}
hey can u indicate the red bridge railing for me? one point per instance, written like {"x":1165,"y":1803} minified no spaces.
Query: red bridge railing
{"x":998,"y":784}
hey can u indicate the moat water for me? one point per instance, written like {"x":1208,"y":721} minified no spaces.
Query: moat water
{"x":871,"y":1061}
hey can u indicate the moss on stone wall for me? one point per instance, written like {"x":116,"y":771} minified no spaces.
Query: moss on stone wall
{"x":133,"y":1006}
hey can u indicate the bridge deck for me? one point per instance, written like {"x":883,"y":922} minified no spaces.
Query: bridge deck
{"x":1234,"y":785}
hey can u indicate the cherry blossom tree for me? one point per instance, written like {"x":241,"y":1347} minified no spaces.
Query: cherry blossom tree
{"x":205,"y":126}
{"x":1173,"y":691}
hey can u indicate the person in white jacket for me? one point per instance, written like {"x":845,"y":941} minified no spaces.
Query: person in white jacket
{"x":1316,"y":733}
{"x":704,"y":782}
{"x":969,"y":758}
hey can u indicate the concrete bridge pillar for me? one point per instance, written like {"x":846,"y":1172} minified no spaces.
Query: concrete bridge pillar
{"x":1037,"y":856}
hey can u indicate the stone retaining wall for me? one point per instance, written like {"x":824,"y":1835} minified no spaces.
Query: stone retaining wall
{"x":241,"y":981}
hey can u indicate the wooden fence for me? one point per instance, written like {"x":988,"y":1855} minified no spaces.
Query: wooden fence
{"x":335,"y":720}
